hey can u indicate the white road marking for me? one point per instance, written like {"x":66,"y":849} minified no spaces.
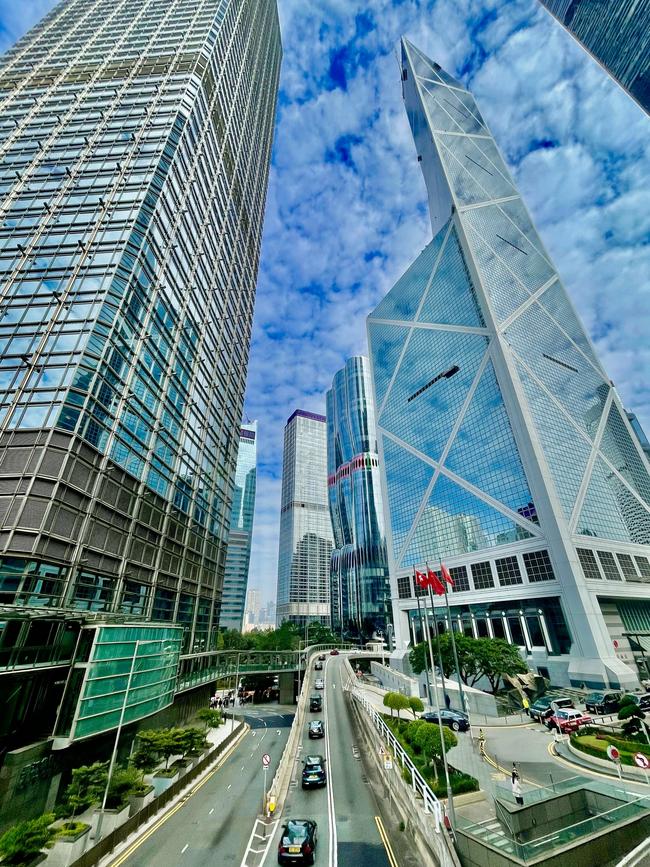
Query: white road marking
{"x":331,"y":813}
{"x":269,"y":833}
{"x":212,"y":810}
{"x":242,"y":767}
{"x":186,"y":846}
{"x":229,"y":786}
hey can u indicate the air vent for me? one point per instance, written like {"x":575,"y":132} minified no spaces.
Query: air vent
{"x":447,"y":374}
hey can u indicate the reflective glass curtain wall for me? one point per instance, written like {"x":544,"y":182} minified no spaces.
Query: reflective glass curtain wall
{"x":504,"y":447}
{"x":305,"y":528}
{"x":235,"y":582}
{"x":359,"y":586}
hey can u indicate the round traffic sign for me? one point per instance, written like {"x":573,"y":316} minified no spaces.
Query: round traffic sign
{"x":613,"y":753}
{"x":266,"y":760}
{"x":642,"y":761}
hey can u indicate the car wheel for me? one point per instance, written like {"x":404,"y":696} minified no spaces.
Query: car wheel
{"x":455,"y":726}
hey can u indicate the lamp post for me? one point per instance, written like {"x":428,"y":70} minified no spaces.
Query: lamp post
{"x":118,"y":731}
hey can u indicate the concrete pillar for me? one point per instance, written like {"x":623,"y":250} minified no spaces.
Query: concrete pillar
{"x":287,"y":684}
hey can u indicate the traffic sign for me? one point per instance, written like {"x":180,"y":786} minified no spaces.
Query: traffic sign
{"x":642,"y":761}
{"x":613,"y":753}
{"x":266,"y":760}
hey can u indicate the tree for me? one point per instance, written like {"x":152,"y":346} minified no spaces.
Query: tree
{"x":145,"y":758}
{"x":497,"y":658}
{"x":190,"y":740}
{"x":491,"y":658}
{"x":416,"y":705}
{"x":396,"y":701}
{"x":22,"y":843}
{"x":124,"y":782}
{"x":632,"y":714}
{"x":212,"y":718}
{"x":86,"y":787}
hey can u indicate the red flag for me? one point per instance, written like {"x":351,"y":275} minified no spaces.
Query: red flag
{"x":421,"y":579}
{"x":435,"y":582}
{"x":446,"y":574}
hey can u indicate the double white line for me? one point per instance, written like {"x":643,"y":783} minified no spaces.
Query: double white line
{"x":331,"y":814}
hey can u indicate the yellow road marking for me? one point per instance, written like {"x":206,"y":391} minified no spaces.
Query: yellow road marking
{"x":128,"y":852}
{"x":506,"y":773}
{"x":386,"y":842}
{"x":579,"y":769}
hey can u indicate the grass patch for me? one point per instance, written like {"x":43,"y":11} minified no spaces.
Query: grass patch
{"x":70,"y":829}
{"x":596,"y":745}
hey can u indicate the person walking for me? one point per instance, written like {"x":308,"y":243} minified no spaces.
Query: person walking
{"x":515,"y":773}
{"x":516,"y":790}
{"x":526,"y":705}
{"x":447,"y":701}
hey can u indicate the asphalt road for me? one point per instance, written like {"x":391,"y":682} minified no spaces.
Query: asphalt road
{"x":213,"y":826}
{"x":346,"y":810}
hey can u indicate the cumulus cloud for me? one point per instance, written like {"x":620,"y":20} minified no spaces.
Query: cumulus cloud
{"x":346,"y":210}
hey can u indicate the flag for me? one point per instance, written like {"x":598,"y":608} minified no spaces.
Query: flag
{"x":435,"y":582}
{"x":446,"y":574}
{"x":421,"y":579}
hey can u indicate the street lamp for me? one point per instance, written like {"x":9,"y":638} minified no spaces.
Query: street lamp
{"x":138,"y":644}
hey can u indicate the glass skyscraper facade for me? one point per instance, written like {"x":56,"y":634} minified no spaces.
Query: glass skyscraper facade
{"x":306,"y":539}
{"x":135,"y":138}
{"x":504,"y":448}
{"x":235,"y":582}
{"x":359,"y":585}
{"x":617,"y":34}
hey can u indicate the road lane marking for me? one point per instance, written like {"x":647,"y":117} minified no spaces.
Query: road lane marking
{"x":386,"y":842}
{"x":331,"y":812}
{"x":268,"y":829}
{"x":185,"y":847}
{"x":229,"y":787}
{"x":211,"y":812}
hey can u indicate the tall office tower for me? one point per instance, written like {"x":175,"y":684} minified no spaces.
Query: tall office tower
{"x":135,"y":138}
{"x":359,"y":585}
{"x":504,"y":448}
{"x":305,"y":528}
{"x":617,"y":34}
{"x":235,"y":582}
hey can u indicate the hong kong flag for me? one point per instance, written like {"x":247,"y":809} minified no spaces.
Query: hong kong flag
{"x":446,"y":574}
{"x":421,"y":579}
{"x":435,"y":582}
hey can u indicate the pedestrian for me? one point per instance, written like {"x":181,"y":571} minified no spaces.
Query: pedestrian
{"x":526,"y":705}
{"x":515,"y":772}
{"x":516,"y":791}
{"x":481,"y":742}
{"x":447,"y":701}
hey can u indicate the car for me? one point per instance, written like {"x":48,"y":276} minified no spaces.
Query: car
{"x":454,"y":719}
{"x":565,"y":721}
{"x":334,"y":652}
{"x":642,"y":701}
{"x":318,"y":666}
{"x":319,"y":684}
{"x":316,"y":729}
{"x":541,"y":709}
{"x":315,"y":703}
{"x":321,"y":658}
{"x":298,"y":842}
{"x":603,"y":702}
{"x":313,"y":772}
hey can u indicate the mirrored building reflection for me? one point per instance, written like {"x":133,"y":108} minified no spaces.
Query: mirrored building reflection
{"x":359,"y":588}
{"x":504,"y":448}
{"x":135,"y":142}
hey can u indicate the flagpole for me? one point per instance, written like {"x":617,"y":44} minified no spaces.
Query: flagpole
{"x":453,"y":646}
{"x":450,"y":797}
{"x":424,"y":636}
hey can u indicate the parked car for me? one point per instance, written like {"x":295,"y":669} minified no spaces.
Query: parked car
{"x":603,"y":702}
{"x":454,"y":719}
{"x":319,"y":684}
{"x":642,"y":701}
{"x":541,"y":709}
{"x":565,"y":721}
{"x":313,"y":772}
{"x":318,"y":666}
{"x":316,"y":729}
{"x":298,"y":842}
{"x":321,"y":658}
{"x":334,"y":652}
{"x":315,"y":702}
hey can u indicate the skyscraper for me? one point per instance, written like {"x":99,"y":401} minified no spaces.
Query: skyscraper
{"x":305,"y":528}
{"x":235,"y":582}
{"x":135,"y":139}
{"x":504,"y":448}
{"x":359,"y":586}
{"x":617,"y":34}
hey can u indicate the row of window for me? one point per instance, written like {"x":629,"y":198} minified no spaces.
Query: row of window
{"x":597,"y":565}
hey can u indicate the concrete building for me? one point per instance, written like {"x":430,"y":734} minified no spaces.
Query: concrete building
{"x":306,"y":539}
{"x":235,"y":582}
{"x":505,"y":450}
{"x":135,"y":141}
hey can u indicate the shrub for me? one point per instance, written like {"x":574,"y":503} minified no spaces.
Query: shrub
{"x":396,"y":701}
{"x":124,"y":782}
{"x":416,"y":705}
{"x":70,"y":829}
{"x":632,"y":714}
{"x":212,"y":718}
{"x":22,"y":843}
{"x":85,"y":788}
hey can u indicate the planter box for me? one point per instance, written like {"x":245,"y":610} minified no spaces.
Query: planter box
{"x":112,"y":820}
{"x":66,"y":850}
{"x":139,"y":802}
{"x":161,"y":784}
{"x":195,"y":758}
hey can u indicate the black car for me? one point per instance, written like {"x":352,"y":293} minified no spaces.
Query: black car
{"x":321,"y":658}
{"x":603,"y":702}
{"x":298,"y":842}
{"x":541,"y":709}
{"x":313,"y":772}
{"x":318,"y":666}
{"x":641,"y":701}
{"x":315,"y":703}
{"x":316,"y":729}
{"x":456,"y":720}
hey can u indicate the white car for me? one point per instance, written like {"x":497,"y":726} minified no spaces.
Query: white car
{"x":320,"y":684}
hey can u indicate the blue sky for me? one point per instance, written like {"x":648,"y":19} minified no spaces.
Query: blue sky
{"x":346,"y":210}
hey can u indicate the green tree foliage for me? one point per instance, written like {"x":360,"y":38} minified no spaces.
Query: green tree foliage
{"x":286,"y":637}
{"x":427,"y":738}
{"x":632,"y":714}
{"x":22,"y":843}
{"x":146,"y":756}
{"x":212,"y":718}
{"x":396,"y":701}
{"x":86,"y":787}
{"x":491,"y":658}
{"x":124,"y":782}
{"x":416,"y":705}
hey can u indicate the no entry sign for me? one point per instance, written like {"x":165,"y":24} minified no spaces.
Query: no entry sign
{"x":266,"y":760}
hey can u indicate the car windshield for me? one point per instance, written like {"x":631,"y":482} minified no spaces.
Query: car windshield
{"x":562,"y":714}
{"x":595,"y":696}
{"x":295,"y":832}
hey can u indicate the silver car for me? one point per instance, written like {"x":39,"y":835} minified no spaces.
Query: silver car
{"x":320,"y":684}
